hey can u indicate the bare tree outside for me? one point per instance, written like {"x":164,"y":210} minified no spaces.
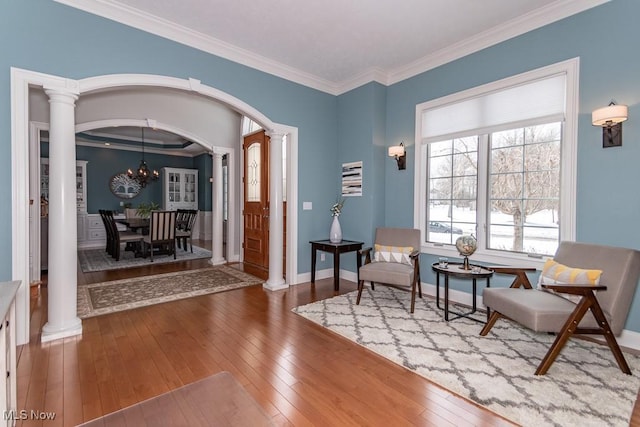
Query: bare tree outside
{"x":525,"y":174}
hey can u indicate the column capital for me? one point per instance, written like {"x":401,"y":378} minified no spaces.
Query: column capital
{"x":275,"y":133}
{"x":71,"y":87}
{"x":62,"y":96}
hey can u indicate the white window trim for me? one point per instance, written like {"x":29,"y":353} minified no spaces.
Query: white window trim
{"x":568,"y":170}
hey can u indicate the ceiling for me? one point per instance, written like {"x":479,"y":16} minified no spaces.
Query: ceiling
{"x":337,"y":45}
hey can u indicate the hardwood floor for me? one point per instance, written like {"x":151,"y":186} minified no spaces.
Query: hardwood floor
{"x":300,"y":373}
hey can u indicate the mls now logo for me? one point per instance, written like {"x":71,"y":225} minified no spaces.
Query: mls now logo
{"x":23,"y":414}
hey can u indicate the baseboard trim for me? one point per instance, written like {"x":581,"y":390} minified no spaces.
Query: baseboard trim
{"x":49,"y":334}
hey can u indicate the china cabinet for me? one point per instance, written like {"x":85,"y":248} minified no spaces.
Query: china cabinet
{"x":81,"y":183}
{"x":179,"y":188}
{"x":81,"y":205}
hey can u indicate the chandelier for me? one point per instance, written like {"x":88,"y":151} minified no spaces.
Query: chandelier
{"x":143,"y":175}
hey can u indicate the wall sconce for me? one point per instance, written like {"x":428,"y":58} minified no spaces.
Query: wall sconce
{"x":398,"y":153}
{"x":610,"y":118}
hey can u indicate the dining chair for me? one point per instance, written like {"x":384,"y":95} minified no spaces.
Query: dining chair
{"x":185,"y":220}
{"x":107,"y":229}
{"x":118,"y":237}
{"x":131,"y":213}
{"x":162,"y":233}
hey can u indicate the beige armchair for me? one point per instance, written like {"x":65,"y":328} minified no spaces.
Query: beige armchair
{"x":396,"y":262}
{"x":609,"y":301}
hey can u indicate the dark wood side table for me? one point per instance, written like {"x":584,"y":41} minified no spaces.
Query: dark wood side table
{"x":455,"y":270}
{"x":336,"y":249}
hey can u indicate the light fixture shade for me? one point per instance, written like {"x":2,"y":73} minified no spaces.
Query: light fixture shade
{"x":609,"y":115}
{"x":396,"y":151}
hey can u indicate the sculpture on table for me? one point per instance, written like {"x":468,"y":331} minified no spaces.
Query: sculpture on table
{"x":466,"y":245}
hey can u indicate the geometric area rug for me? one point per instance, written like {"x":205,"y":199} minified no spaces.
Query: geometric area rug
{"x":99,"y":260}
{"x":583,"y":387}
{"x":118,"y":295}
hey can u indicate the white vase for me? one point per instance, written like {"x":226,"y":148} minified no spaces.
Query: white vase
{"x":335,"y":234}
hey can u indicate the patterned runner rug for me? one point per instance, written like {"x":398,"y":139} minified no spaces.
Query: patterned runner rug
{"x":100,"y":260}
{"x":583,"y":387}
{"x":119,"y":295}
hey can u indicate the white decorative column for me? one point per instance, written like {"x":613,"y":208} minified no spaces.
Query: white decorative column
{"x":217,"y":191}
{"x":276,"y":217}
{"x":63,"y":230}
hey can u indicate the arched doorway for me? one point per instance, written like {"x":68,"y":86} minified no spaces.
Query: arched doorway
{"x":21,"y":80}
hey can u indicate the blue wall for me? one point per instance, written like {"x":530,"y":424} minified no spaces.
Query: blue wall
{"x":361,"y":128}
{"x":48,"y":37}
{"x":605,"y":38}
{"x":103,"y":163}
{"x":44,"y":36}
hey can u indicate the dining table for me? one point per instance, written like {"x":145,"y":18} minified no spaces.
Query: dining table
{"x":135,"y":224}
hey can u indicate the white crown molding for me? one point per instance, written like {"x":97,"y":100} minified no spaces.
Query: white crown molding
{"x":147,"y":150}
{"x":161,"y":27}
{"x":510,"y":29}
{"x":372,"y":75}
{"x":126,"y":15}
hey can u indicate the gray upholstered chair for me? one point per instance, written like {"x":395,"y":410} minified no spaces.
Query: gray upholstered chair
{"x":162,"y":233}
{"x":400,"y":249}
{"x":544,"y":311}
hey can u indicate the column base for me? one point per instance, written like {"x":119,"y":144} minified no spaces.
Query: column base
{"x":49,"y":333}
{"x":217,"y":261}
{"x":275,"y":285}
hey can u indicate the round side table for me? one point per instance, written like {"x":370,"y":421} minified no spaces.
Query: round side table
{"x":456,"y":270}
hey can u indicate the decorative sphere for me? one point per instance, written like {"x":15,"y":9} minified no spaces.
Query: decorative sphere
{"x":466,"y":245}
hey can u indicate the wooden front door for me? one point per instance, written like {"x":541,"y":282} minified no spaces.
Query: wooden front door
{"x":256,"y":204}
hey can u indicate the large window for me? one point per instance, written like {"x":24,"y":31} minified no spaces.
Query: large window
{"x":498,"y":162}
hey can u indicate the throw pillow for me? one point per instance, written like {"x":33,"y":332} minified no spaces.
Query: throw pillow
{"x":554,"y":273}
{"x":392,"y":253}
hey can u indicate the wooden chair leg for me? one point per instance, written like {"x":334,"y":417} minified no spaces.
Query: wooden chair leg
{"x":608,"y":335}
{"x":413,"y":297}
{"x":360,"y":287}
{"x":492,"y":321}
{"x":563,"y":336}
{"x":521,"y":279}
